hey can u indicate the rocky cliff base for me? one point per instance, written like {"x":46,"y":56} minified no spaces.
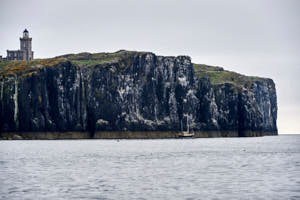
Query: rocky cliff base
{"x":123,"y":135}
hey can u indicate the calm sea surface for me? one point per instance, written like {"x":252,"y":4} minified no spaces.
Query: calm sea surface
{"x":215,"y":168}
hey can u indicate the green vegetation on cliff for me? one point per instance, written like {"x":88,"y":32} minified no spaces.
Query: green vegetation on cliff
{"x":123,"y":59}
{"x":218,"y":75}
{"x":13,"y":68}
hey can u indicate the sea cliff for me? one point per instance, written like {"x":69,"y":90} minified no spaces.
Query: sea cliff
{"x":130,"y":94}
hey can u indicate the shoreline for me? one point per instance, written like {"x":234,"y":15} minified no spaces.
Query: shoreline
{"x":126,"y":135}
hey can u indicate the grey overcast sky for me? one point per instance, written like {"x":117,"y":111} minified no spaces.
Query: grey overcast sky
{"x":252,"y":37}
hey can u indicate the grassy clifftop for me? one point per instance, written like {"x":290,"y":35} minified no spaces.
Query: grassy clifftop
{"x":217,"y":75}
{"x":8,"y":68}
{"x":124,"y":58}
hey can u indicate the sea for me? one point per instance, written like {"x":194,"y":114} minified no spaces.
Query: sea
{"x":205,"y":168}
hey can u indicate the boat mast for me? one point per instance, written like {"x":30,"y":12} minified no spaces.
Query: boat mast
{"x":187,"y":123}
{"x":181,"y":125}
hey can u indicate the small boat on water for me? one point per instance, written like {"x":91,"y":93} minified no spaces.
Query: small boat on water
{"x":187,"y":133}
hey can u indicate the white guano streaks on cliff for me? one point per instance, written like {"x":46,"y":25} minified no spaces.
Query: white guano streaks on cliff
{"x":16,"y":103}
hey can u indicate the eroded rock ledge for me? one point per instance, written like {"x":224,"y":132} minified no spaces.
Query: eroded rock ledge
{"x":131,"y":95}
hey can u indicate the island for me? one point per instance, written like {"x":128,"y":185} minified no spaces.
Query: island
{"x":129,"y":94}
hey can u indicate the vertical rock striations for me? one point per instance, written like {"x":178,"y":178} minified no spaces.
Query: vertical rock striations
{"x":129,"y":92}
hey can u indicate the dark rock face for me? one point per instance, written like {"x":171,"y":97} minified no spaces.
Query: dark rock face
{"x":151,"y":93}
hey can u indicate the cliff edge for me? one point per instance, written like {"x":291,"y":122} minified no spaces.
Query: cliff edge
{"x":130,"y":94}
